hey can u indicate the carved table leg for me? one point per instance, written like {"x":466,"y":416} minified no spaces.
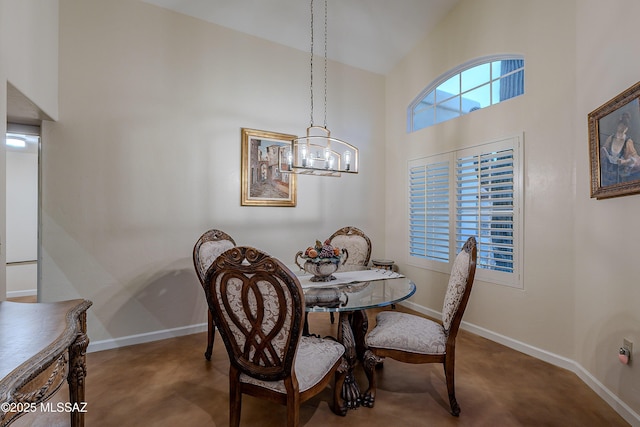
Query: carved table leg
{"x":350,"y":389}
{"x":359,"y":325}
{"x":77,"y":374}
{"x":352,"y":329}
{"x":339,"y":404}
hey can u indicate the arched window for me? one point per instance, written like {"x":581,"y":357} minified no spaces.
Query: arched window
{"x":471,"y":86}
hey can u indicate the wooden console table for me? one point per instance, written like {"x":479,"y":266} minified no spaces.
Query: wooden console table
{"x":41,"y":344}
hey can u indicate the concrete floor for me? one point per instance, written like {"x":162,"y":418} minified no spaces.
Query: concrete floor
{"x":169,"y":383}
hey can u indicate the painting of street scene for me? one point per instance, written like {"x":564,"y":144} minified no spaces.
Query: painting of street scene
{"x":265,"y":180}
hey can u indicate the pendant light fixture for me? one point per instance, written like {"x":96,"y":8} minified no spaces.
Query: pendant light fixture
{"x":317,"y":152}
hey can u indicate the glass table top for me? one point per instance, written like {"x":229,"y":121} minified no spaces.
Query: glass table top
{"x":359,"y":295}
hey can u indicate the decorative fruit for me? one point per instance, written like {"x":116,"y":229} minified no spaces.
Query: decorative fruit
{"x":322,"y":251}
{"x":326,"y":251}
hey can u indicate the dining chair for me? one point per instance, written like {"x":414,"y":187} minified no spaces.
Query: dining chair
{"x":258,"y":306}
{"x":413,"y":339}
{"x":211,"y":244}
{"x":358,"y":246}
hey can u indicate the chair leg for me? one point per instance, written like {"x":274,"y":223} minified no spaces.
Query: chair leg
{"x":449,"y":365}
{"x":211,"y":331}
{"x":293,"y":408}
{"x":305,"y":327}
{"x":235,"y":397}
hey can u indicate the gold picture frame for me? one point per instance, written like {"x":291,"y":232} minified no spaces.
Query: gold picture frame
{"x":265,"y":182}
{"x":614,"y":144}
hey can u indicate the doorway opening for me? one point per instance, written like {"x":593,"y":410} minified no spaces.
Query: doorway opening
{"x":22,"y":201}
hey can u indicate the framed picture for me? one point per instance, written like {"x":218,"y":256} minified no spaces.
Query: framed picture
{"x":263,"y":181}
{"x":614,"y":143}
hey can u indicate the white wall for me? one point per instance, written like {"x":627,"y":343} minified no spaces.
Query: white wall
{"x":22,"y":221}
{"x":30,"y":43}
{"x":22,"y":206}
{"x":145,"y":157}
{"x":607,"y":269}
{"x":30,"y":64}
{"x":581,"y":292}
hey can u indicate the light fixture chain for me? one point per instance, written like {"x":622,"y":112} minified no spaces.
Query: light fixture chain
{"x":325,"y":64}
{"x":311,"y":65}
{"x":315,"y":153}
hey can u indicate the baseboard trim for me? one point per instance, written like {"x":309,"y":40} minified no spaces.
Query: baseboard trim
{"x":605,"y":394}
{"x":25,"y":293}
{"x":144,"y":338}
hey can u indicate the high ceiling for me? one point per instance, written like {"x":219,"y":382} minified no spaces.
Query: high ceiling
{"x":369,"y":34}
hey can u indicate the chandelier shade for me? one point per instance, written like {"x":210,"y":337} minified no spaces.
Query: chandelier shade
{"x":318,"y":153}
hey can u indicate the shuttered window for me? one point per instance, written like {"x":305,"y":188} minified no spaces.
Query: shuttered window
{"x":478,"y":196}
{"x":429,"y":210}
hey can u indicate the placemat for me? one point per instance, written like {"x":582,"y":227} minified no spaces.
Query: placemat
{"x":345,"y":277}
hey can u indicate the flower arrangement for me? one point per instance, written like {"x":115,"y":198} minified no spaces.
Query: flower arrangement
{"x":322,"y":252}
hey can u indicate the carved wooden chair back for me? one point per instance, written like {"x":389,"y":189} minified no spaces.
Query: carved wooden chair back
{"x":415,"y":339}
{"x":357,"y":244}
{"x":207,"y":248}
{"x":258,"y":306}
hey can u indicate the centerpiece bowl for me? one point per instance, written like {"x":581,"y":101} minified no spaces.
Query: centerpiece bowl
{"x":321,"y":261}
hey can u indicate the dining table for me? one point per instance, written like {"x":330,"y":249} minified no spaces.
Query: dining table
{"x":350,"y":293}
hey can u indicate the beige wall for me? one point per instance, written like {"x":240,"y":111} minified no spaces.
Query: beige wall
{"x":29,"y":62}
{"x":581,"y":292}
{"x":607,"y":269}
{"x":145,"y":157}
{"x":542,"y":313}
{"x":30,"y":43}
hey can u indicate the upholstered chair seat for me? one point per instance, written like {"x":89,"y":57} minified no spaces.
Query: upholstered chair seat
{"x":314,"y":361}
{"x":409,"y":333}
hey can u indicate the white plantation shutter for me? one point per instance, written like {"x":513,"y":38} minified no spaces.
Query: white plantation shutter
{"x":484,"y":207}
{"x":480,"y":198}
{"x":429,"y":210}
